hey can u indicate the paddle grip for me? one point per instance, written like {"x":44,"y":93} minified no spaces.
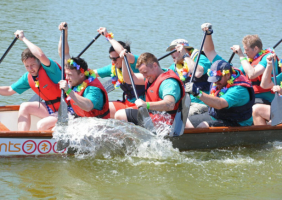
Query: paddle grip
{"x":198,"y":58}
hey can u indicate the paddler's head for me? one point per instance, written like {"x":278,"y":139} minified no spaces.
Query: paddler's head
{"x":31,"y":63}
{"x":176,"y":56}
{"x":114,"y":56}
{"x":252,"y":45}
{"x":219,"y":73}
{"x":148,"y":66}
{"x":75,"y":69}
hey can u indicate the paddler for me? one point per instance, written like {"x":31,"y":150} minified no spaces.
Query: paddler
{"x":164,"y":90}
{"x":84,"y":91}
{"x":116,"y":73}
{"x":261,"y":112}
{"x":42,"y":76}
{"x":254,"y":65}
{"x":184,"y":62}
{"x":231,"y":96}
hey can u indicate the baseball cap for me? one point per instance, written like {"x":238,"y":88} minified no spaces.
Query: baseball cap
{"x":173,"y":44}
{"x":218,"y":65}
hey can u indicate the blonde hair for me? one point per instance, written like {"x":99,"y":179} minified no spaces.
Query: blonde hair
{"x":252,"y":41}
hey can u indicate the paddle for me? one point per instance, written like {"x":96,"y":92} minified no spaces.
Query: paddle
{"x":143,"y":118}
{"x":7,"y":51}
{"x":166,"y":55}
{"x":94,"y":39}
{"x":181,"y":116}
{"x":276,"y":104}
{"x":231,"y":57}
{"x":63,"y":109}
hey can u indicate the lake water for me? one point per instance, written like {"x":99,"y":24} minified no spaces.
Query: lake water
{"x":163,"y":173}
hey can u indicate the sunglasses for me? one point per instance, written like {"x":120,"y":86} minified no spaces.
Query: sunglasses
{"x":114,"y":58}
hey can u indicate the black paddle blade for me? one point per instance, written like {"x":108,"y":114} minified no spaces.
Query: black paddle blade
{"x":276,"y":108}
{"x":108,"y":86}
{"x":63,"y":113}
{"x":181,"y":116}
{"x":62,"y":144}
{"x":145,"y":120}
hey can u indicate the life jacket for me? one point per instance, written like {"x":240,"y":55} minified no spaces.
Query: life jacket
{"x":202,"y":82}
{"x":128,"y":90}
{"x":49,"y":91}
{"x":152,"y":92}
{"x":104,"y":113}
{"x":256,"y":81}
{"x":238,"y":113}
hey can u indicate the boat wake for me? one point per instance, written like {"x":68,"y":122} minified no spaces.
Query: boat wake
{"x":101,"y":138}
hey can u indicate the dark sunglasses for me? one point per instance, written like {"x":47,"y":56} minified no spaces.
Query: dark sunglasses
{"x":114,"y":58}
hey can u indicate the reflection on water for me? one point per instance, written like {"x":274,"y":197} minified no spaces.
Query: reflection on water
{"x":152,"y":169}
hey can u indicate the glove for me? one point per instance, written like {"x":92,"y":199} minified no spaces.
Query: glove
{"x":191,"y":88}
{"x":209,"y":26}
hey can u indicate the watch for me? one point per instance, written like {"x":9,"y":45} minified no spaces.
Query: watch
{"x":186,"y":55}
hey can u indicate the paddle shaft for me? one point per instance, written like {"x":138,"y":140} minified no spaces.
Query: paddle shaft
{"x":273,"y":72}
{"x":231,"y":57}
{"x":130,"y":76}
{"x":198,"y":58}
{"x":97,"y":36}
{"x":7,"y":51}
{"x":277,"y":44}
{"x":166,"y":55}
{"x":63,"y":61}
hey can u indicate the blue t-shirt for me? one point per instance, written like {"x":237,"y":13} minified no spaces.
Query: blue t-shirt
{"x":95,"y":95}
{"x":265,"y":95}
{"x":107,"y":70}
{"x":53,"y":71}
{"x":206,"y":64}
{"x":171,"y":87}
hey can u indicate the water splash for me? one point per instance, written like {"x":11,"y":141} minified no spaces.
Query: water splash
{"x":110,"y":138}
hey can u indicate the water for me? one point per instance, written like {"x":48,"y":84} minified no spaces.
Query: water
{"x":156,"y":173}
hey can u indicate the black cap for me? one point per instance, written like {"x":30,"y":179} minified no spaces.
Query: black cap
{"x":218,"y":65}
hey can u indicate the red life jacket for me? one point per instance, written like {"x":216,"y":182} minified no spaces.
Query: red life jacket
{"x":49,"y":91}
{"x":256,"y":81}
{"x":104,"y":113}
{"x":152,"y":93}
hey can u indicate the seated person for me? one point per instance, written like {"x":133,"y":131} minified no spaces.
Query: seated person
{"x":230,"y":100}
{"x":184,"y":63}
{"x":261,"y":112}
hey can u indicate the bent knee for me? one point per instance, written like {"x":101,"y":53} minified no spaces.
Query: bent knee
{"x":121,"y":115}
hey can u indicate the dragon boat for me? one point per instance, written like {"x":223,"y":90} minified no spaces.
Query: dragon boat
{"x":37,"y":143}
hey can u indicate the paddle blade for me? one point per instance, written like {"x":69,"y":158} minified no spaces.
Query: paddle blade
{"x":63,"y":113}
{"x":145,"y":120}
{"x":276,"y":108}
{"x":108,"y":86}
{"x":181,"y":116}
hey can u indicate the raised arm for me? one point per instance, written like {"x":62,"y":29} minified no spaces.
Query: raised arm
{"x":116,"y":45}
{"x":67,"y":49}
{"x":266,"y":81}
{"x":208,"y":45}
{"x":35,"y":50}
{"x":137,"y":77}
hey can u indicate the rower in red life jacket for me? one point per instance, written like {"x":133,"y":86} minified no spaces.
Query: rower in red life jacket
{"x":164,"y":90}
{"x":42,"y":76}
{"x":261,"y":112}
{"x":84,"y":91}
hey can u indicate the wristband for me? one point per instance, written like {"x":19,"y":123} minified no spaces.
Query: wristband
{"x":68,"y":91}
{"x":200,"y":94}
{"x":241,"y":59}
{"x":210,"y":31}
{"x":109,"y":35}
{"x":148,"y":105}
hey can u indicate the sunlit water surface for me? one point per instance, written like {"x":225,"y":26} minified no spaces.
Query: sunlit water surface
{"x":127,"y":162}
